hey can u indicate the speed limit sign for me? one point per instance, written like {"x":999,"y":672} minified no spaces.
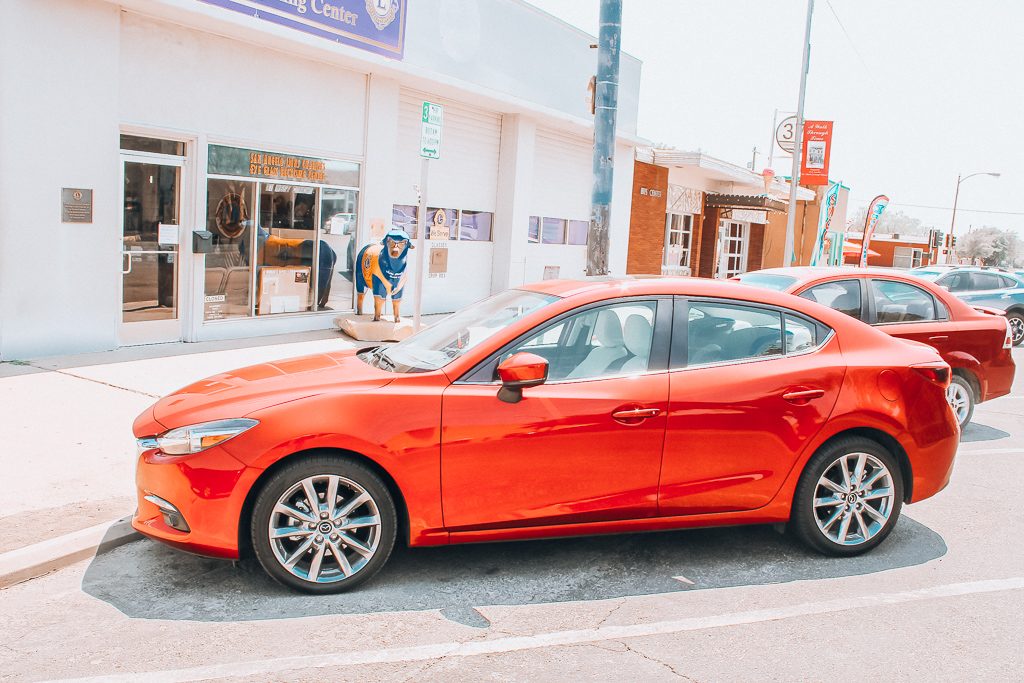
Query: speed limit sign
{"x":785,"y":134}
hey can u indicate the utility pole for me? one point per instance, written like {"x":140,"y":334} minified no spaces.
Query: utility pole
{"x":794,"y":180}
{"x":606,"y":98}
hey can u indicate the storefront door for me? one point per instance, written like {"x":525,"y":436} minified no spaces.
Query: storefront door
{"x":732,"y":249}
{"x":150,"y":258}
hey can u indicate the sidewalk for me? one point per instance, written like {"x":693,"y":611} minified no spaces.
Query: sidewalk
{"x":68,"y":454}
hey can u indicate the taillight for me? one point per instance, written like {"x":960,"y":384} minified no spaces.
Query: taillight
{"x":937,"y":374}
{"x":1008,"y":341}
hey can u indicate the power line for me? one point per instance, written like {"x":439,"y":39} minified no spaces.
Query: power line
{"x":946,"y":208}
{"x":848,"y":37}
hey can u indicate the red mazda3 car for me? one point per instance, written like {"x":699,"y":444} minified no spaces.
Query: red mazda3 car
{"x":557,"y":409}
{"x":977,"y":342}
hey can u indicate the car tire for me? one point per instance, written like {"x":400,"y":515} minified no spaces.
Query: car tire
{"x":336,"y":547}
{"x":960,"y":396}
{"x":1016,"y":322}
{"x":832,"y":517}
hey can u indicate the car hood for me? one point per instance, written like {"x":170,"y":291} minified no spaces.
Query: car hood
{"x":240,"y":392}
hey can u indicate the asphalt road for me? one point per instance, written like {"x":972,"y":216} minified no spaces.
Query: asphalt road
{"x":941,"y":599}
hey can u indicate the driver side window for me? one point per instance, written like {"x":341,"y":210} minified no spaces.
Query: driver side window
{"x":598,"y":342}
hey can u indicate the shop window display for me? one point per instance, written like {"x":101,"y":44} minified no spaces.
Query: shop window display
{"x":279,"y":247}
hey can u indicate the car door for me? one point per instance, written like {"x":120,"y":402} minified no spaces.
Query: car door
{"x":910,"y":312}
{"x":743,"y":403}
{"x":585,"y":446}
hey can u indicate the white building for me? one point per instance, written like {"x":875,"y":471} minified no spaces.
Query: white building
{"x":290,"y":130}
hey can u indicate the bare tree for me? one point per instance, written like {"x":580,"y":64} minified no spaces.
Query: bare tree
{"x":991,"y":246}
{"x":892,"y":222}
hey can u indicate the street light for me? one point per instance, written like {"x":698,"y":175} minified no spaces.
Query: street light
{"x":952,"y":223}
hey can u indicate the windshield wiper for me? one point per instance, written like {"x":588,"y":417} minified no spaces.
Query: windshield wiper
{"x":378,"y":354}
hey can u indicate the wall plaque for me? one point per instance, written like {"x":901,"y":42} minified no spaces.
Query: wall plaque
{"x":75,"y":205}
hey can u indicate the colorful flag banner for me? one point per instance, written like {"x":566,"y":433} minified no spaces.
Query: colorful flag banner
{"x":828,"y":209}
{"x":816,"y":150}
{"x":875,"y":210}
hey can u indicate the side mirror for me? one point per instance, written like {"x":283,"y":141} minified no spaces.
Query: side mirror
{"x":518,"y":372}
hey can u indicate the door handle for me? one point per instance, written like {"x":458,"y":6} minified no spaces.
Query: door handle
{"x":635,"y":414}
{"x":802,"y":396}
{"x":939,"y":338}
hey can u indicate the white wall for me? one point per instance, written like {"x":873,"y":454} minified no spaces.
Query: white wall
{"x":175,"y":77}
{"x":59,"y":282}
{"x":514,"y":48}
{"x":622,"y":202}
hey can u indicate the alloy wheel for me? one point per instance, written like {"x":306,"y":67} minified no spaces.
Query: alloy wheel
{"x":324,"y":529}
{"x":959,"y":400}
{"x":1016,"y":329}
{"x":853,"y":499}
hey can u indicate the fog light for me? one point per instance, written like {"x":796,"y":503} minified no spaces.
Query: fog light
{"x":172,"y":515}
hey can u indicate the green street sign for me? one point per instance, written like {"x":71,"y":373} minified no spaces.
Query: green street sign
{"x":430,"y":135}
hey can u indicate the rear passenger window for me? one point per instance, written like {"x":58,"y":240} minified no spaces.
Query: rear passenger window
{"x":985,"y":281}
{"x":841,"y":295}
{"x":956,"y":282}
{"x":801,"y":335}
{"x":899,"y":302}
{"x":723,"y":332}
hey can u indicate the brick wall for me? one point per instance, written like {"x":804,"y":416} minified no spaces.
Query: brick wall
{"x":647,"y":220}
{"x":886,"y":252}
{"x":755,"y":246}
{"x":705,"y":266}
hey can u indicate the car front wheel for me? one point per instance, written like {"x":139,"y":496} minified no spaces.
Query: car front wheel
{"x":848,"y":498}
{"x":323,"y":524}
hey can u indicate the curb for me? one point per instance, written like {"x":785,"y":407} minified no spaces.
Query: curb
{"x":30,"y":562}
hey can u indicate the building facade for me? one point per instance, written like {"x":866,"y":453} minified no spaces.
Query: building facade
{"x":697,"y":215}
{"x":208,"y":169}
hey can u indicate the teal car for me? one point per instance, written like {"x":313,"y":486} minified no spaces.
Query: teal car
{"x":996,"y":289}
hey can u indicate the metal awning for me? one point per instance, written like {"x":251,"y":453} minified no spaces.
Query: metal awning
{"x":763,"y":202}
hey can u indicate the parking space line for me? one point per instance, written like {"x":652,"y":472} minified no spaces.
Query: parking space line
{"x":989,"y":451}
{"x":268,"y":667}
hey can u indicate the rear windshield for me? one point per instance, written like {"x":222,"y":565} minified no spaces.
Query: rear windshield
{"x":767,"y":281}
{"x":930,"y":275}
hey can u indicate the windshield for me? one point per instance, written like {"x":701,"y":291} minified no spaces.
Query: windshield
{"x":765,"y":281}
{"x":446,"y":340}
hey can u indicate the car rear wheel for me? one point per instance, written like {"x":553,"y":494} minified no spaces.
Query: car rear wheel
{"x":960,"y":396}
{"x":1016,"y":321}
{"x":323,"y":524}
{"x":848,"y":498}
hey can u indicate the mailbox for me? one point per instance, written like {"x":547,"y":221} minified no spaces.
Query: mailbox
{"x":202,"y":242}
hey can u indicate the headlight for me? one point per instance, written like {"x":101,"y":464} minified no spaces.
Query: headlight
{"x":196,"y":438}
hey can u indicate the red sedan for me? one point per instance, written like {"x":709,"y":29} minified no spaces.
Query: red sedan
{"x":558,"y":409}
{"x":976,"y":342}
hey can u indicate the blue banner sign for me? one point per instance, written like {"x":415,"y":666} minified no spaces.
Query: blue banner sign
{"x":374,"y":25}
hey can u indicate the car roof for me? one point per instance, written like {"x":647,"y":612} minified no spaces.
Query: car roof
{"x":808,"y":273}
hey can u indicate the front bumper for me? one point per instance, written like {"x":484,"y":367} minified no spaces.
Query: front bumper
{"x":208,"y":489}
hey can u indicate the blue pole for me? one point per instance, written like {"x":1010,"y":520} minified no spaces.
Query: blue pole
{"x":606,"y":98}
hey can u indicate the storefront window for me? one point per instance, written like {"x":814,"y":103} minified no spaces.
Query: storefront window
{"x":338,"y":247}
{"x":279,"y":246}
{"x":404,"y":217}
{"x":229,"y":206}
{"x":443,"y":218}
{"x":680,"y":231}
{"x":553,"y":231}
{"x":475,"y":226}
{"x":534,"y":233}
{"x":578,"y":232}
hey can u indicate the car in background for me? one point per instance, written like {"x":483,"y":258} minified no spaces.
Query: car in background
{"x":998,"y":289}
{"x":976,"y":344}
{"x":558,"y":409}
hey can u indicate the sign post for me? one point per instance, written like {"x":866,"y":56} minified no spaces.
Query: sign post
{"x":432,"y":120}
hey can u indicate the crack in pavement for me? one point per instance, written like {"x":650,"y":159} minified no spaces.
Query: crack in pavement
{"x":656,"y":661}
{"x":620,"y":603}
{"x":98,"y":381}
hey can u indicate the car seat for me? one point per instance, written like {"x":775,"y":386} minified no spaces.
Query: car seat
{"x":637,"y":335}
{"x":607,"y":332}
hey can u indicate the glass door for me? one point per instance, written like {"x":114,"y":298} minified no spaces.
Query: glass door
{"x":150,"y":259}
{"x":732,"y":249}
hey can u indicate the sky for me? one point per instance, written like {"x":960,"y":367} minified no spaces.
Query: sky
{"x":919,"y":90}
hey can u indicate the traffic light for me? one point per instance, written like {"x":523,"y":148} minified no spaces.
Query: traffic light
{"x":953,"y":242}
